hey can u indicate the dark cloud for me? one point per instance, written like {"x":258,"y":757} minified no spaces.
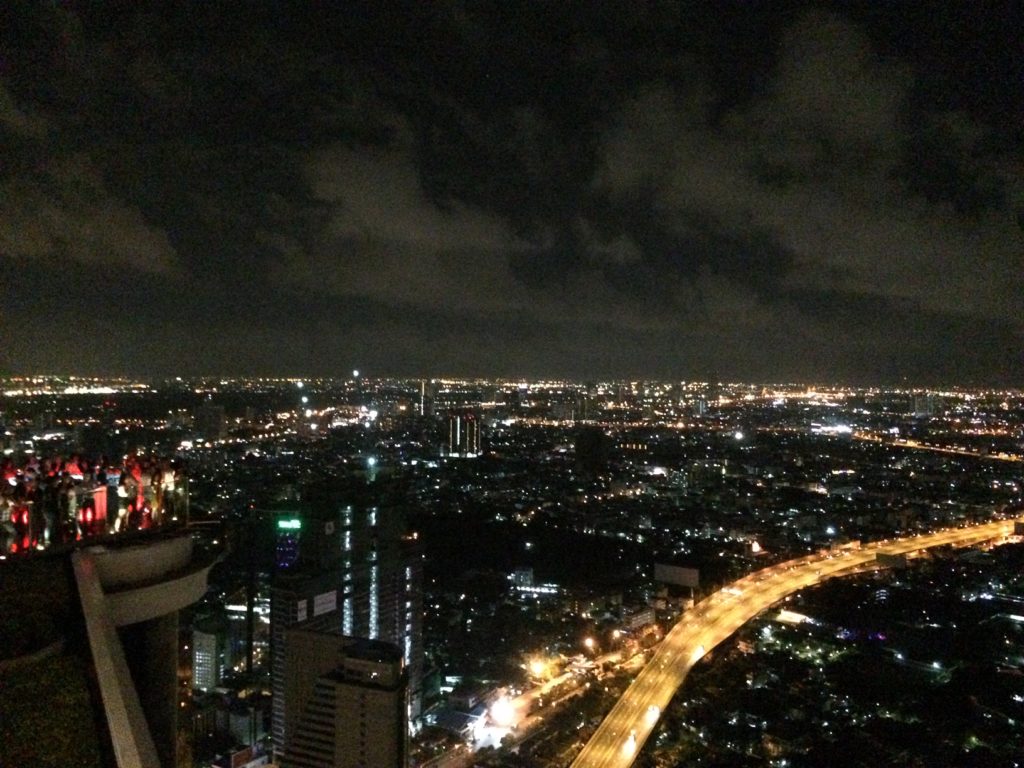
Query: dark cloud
{"x":952,"y":159}
{"x":806,"y":189}
{"x":64,"y":211}
{"x":780,"y":191}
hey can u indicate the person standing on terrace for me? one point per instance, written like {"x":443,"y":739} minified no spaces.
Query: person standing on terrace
{"x":6,"y":526}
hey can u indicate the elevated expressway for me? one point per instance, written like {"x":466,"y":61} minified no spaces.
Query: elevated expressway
{"x":623,"y":732}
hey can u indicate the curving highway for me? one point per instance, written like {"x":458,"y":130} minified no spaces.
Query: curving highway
{"x":623,"y":732}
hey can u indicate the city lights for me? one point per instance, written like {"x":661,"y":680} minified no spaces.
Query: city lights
{"x":502,"y":712}
{"x":644,"y":530}
{"x":511,"y":385}
{"x":629,"y":747}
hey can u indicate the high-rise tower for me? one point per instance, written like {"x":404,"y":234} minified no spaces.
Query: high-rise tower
{"x":346,"y":702}
{"x":353,"y":569}
{"x":463,"y":435}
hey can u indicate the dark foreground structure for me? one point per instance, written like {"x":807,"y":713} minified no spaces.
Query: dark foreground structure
{"x":90,"y":671}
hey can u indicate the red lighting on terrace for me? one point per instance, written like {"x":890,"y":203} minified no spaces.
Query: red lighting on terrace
{"x":56,"y":501}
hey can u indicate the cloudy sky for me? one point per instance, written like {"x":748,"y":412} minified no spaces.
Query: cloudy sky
{"x":750,"y":190}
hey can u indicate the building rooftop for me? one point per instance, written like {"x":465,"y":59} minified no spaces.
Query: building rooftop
{"x":365,"y":649}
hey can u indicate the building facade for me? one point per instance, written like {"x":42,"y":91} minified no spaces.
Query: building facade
{"x":352,"y":569}
{"x":464,"y":435}
{"x":207,"y":659}
{"x":346,"y":701}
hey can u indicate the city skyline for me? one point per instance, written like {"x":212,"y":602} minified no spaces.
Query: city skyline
{"x":808,"y":192}
{"x":498,"y":573}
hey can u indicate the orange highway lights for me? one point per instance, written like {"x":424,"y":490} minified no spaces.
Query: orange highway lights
{"x":606,"y":747}
{"x":630,"y":745}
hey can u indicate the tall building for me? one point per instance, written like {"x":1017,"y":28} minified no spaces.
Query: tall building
{"x":211,"y":650}
{"x":463,"y":435}
{"x":346,"y":701}
{"x":428,"y":392}
{"x":206,"y":659}
{"x":925,"y":406}
{"x":306,"y":601}
{"x":210,"y":421}
{"x":352,"y":568}
{"x":592,"y":447}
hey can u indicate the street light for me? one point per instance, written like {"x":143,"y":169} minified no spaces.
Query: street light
{"x":589,"y":643}
{"x":502,"y":712}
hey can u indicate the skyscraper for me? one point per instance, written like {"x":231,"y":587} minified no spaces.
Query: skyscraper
{"x":306,"y":601}
{"x":358,"y":572}
{"x":206,"y":659}
{"x":346,"y":701}
{"x":210,"y":423}
{"x":463,"y":435}
{"x":925,"y":406}
{"x":382,"y":594}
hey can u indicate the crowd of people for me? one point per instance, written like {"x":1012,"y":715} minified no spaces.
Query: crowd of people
{"x":56,"y":500}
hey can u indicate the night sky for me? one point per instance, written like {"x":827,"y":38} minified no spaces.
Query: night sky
{"x":745,"y":191}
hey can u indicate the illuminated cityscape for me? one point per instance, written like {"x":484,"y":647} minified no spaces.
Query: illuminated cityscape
{"x":695,"y":514}
{"x":511,"y":384}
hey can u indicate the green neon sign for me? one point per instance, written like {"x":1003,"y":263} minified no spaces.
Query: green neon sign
{"x":291,"y":524}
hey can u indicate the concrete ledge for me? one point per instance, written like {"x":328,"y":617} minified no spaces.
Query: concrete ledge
{"x":130,"y":606}
{"x":149,"y":561}
{"x":129,"y":732}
